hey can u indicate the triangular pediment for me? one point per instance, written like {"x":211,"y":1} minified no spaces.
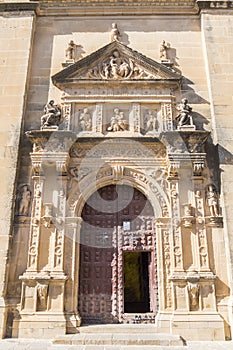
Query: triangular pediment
{"x":118,"y":62}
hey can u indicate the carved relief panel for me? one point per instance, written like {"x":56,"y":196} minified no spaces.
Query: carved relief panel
{"x":107,"y":118}
{"x":83,"y":118}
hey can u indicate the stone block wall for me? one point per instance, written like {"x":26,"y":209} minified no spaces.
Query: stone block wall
{"x":15,"y":48}
{"x":217,"y":32}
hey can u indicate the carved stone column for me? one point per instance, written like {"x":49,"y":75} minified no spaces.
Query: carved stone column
{"x":72,"y":239}
{"x":42,"y":300}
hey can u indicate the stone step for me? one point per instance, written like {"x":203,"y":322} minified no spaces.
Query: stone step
{"x":118,"y":338}
{"x":120,"y":347}
{"x":119,"y":328}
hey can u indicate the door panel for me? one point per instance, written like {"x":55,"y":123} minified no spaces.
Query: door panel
{"x":104,"y":212}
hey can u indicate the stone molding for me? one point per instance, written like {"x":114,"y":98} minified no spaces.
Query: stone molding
{"x":104,"y":7}
{"x":18,"y":6}
{"x":216,"y":5}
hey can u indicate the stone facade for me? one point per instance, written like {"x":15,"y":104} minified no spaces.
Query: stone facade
{"x":143,"y":99}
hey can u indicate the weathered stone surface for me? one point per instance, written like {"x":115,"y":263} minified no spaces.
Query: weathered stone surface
{"x":119,"y":124}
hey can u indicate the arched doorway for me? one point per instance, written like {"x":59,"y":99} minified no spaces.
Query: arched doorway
{"x":118,"y":269}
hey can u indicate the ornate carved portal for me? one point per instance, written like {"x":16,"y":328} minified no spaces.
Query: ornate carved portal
{"x":118,"y":263}
{"x":123,"y":207}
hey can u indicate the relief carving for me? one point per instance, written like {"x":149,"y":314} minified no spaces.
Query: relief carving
{"x":47,"y":217}
{"x":151,"y":123}
{"x":117,"y":67}
{"x":85,"y":120}
{"x":58,"y":249}
{"x":167,"y":118}
{"x":118,"y":123}
{"x":136,"y":117}
{"x":66,"y":112}
{"x":167,"y":267}
{"x":35,"y":228}
{"x":198,"y":168}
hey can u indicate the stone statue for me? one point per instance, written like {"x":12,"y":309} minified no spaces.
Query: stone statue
{"x":42,"y":292}
{"x":86,"y":120}
{"x":151,"y":122}
{"x":25,"y":200}
{"x":193,"y":296}
{"x":212,"y":201}
{"x":115,"y":34}
{"x":118,"y":123}
{"x":52,"y":116}
{"x":70,"y":51}
{"x":184,"y":117}
{"x":163,"y":51}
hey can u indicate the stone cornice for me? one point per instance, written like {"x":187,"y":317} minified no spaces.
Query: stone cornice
{"x":116,"y":7}
{"x":18,"y":6}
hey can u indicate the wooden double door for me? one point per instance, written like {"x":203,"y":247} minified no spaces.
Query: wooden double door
{"x":110,"y":213}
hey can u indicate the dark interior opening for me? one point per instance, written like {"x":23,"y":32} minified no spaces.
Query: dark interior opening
{"x":136,"y":282}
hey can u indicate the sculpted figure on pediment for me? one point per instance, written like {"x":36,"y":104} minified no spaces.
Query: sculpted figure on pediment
{"x":163,"y":50}
{"x":115,"y":34}
{"x":70,"y":51}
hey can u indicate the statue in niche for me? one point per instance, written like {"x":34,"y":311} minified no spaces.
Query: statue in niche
{"x":184,"y":117}
{"x":115,"y":34}
{"x":118,"y":123}
{"x":42,"y":293}
{"x":193,"y":296}
{"x":151,"y":123}
{"x":163,"y":50}
{"x":70,"y":51}
{"x":212,"y":201}
{"x":25,"y":199}
{"x":52,"y":116}
{"x":86,"y":120}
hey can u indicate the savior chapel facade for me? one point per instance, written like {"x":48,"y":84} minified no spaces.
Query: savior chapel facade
{"x":116,"y":166}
